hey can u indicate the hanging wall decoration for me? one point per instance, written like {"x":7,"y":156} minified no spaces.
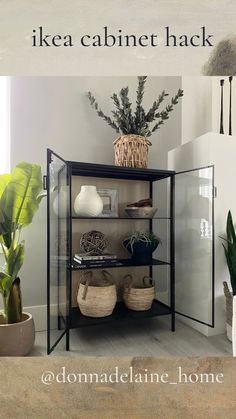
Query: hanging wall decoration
{"x":222,"y":106}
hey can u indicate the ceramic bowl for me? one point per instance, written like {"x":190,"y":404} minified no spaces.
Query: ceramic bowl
{"x":141,"y":212}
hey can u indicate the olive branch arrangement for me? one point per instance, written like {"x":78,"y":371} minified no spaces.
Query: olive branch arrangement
{"x":139,"y":122}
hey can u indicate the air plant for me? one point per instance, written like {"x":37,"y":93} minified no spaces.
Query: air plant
{"x":143,"y":237}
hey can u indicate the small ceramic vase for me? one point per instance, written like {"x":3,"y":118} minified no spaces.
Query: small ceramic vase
{"x":88,"y":202}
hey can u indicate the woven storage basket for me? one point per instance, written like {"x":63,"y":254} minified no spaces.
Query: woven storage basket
{"x":229,"y":310}
{"x":96,"y":297}
{"x":131,"y":151}
{"x":138,"y":298}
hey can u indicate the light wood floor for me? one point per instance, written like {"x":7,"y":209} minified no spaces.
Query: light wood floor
{"x":148,"y":337}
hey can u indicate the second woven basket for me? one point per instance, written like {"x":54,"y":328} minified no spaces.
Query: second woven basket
{"x":138,"y":297}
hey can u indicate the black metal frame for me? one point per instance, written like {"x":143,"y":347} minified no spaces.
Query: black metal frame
{"x":105,"y":171}
{"x":49,"y":346}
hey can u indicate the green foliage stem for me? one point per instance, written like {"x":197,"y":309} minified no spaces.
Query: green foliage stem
{"x":139,"y":122}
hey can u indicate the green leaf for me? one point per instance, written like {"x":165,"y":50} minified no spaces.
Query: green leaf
{"x":230,"y":228}
{"x":5,"y":283}
{"x":4,"y":180}
{"x":15,"y":260}
{"x":19,"y":201}
{"x":100,"y":113}
{"x":4,"y":222}
{"x":230,"y":250}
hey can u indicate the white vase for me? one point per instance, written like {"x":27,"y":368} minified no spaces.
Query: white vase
{"x":234,"y":326}
{"x":88,"y":203}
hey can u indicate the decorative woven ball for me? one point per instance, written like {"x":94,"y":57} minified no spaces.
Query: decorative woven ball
{"x":93,"y":242}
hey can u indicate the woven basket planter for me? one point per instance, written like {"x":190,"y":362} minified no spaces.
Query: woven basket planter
{"x":139,"y":297}
{"x":96,"y":297}
{"x":131,"y":151}
{"x":229,"y":310}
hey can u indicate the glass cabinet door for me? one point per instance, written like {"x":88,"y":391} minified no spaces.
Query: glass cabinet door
{"x":194,"y":245}
{"x":58,"y":242}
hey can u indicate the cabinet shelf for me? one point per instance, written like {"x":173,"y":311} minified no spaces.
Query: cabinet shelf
{"x":119,"y":263}
{"x":121,"y":312}
{"x":74,"y":217}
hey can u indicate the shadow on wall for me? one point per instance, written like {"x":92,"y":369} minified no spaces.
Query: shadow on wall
{"x":222,"y":61}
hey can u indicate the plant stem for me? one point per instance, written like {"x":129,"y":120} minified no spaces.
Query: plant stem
{"x":3,"y":250}
{"x":5,"y":308}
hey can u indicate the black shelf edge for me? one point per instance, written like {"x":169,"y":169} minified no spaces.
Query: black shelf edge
{"x":120,"y":263}
{"x":117,"y":172}
{"x":120,"y":313}
{"x":74,"y":217}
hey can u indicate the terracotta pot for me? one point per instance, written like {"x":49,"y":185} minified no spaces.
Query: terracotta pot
{"x":17,"y":339}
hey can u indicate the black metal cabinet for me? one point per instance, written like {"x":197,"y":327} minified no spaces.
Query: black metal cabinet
{"x":62,"y":315}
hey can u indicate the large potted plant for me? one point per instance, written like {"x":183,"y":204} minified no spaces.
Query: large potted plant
{"x":20,"y":196}
{"x":230,"y":254}
{"x":135,"y":126}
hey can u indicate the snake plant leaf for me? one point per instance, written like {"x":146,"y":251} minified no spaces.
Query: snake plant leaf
{"x":230,"y":229}
{"x":230,"y":250}
{"x":19,"y":201}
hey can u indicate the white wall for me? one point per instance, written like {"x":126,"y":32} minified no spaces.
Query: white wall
{"x":54,"y":112}
{"x":196,"y":107}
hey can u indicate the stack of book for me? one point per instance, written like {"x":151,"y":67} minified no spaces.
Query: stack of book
{"x":95,"y":260}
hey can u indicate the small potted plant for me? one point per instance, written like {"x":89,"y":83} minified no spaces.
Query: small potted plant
{"x":230,"y":254}
{"x":135,"y":126}
{"x":141,"y":245}
{"x":20,"y":196}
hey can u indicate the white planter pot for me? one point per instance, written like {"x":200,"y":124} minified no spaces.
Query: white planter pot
{"x":234,"y":326}
{"x":88,"y":203}
{"x":17,"y":339}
